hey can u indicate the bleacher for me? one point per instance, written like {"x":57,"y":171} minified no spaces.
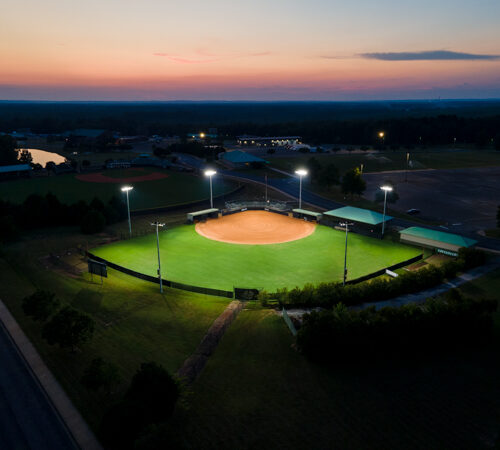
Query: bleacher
{"x":203,"y":214}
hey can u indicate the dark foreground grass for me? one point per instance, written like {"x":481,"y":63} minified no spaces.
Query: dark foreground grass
{"x":134,"y":322}
{"x":190,"y":258}
{"x":178,"y":188}
{"x":258,"y":392}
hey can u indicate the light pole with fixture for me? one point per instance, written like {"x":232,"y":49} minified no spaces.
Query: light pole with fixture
{"x":386,"y":189}
{"x":158,"y":224}
{"x":381,"y":135}
{"x":346,"y":225}
{"x":127,"y":189}
{"x":301,"y":173}
{"x":210,"y":173}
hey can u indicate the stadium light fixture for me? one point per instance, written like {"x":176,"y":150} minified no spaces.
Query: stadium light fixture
{"x":202,"y":135}
{"x":210,"y":173}
{"x":346,"y":225}
{"x":127,"y":189}
{"x":386,"y":189}
{"x":301,"y":173}
{"x":158,"y":224}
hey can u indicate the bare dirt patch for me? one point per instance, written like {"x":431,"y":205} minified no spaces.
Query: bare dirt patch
{"x":101,"y":178}
{"x":255,"y":228}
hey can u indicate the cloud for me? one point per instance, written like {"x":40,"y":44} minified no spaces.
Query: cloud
{"x":431,"y":55}
{"x":214,"y":58}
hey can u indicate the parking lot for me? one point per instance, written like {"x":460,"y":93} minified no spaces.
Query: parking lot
{"x":461,"y":199}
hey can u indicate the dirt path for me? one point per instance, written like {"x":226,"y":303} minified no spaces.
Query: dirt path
{"x":193,"y":366}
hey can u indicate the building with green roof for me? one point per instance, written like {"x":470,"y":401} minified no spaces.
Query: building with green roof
{"x":238,"y":158}
{"x":363,"y":221}
{"x":441,"y":241}
{"x":358,"y":215}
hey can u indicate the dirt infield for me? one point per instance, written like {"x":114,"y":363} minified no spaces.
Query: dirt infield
{"x":101,"y":178}
{"x":255,"y":228}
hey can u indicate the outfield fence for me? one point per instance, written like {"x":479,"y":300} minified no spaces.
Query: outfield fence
{"x":168,"y":283}
{"x":238,"y":293}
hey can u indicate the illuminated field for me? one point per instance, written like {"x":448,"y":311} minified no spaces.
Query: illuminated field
{"x":190,"y":258}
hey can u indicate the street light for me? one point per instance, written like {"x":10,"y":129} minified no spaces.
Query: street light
{"x":158,"y":224}
{"x":210,"y":173}
{"x":386,"y":189}
{"x":301,"y":173}
{"x":381,"y":135}
{"x":127,"y":189}
{"x":346,"y":225}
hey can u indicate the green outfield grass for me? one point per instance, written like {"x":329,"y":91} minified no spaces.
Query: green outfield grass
{"x":190,"y":258}
{"x":177,"y":188}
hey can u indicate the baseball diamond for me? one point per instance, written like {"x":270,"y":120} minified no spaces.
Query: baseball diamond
{"x":273,"y":251}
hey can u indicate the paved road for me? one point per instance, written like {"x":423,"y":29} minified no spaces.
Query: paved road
{"x":27,"y":418}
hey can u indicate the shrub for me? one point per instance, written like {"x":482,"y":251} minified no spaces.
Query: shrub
{"x":40,"y":305}
{"x":100,"y":374}
{"x":68,"y":328}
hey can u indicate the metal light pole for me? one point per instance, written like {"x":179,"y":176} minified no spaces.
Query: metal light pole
{"x":301,"y":173}
{"x":386,"y":189}
{"x":210,"y":174}
{"x":158,"y":224}
{"x":127,"y":189}
{"x":345,"y":253}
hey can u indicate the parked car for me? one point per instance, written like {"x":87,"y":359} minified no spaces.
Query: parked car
{"x":413,"y":211}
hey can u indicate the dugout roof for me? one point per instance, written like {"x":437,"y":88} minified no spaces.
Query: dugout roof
{"x":358,"y":215}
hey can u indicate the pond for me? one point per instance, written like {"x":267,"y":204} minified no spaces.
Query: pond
{"x":42,"y":157}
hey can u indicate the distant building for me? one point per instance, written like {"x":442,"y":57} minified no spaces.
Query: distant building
{"x":15,"y":171}
{"x":238,"y":158}
{"x":268,"y":141}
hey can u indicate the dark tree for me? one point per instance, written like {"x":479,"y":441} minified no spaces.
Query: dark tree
{"x":100,"y":375}
{"x":150,"y":400}
{"x":40,"y":305}
{"x":8,"y":228}
{"x":353,"y":183}
{"x":8,"y":153}
{"x":68,"y":328}
{"x":25,"y":157}
{"x":93,"y":222}
{"x":498,"y":216}
{"x":314,"y":167}
{"x":329,"y":175}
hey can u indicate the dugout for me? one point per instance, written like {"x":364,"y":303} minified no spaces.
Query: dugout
{"x":439,"y":241}
{"x":364,"y":221}
{"x":306,"y":214}
{"x":202,"y":215}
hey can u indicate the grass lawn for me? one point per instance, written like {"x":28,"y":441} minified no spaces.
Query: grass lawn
{"x":389,"y":160}
{"x":258,"y":392}
{"x":177,"y":188}
{"x":190,"y":258}
{"x":134,"y":322}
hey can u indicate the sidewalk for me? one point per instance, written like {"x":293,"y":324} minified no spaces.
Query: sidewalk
{"x":75,"y":423}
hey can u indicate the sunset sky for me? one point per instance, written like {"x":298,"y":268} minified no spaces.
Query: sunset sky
{"x":249,"y":50}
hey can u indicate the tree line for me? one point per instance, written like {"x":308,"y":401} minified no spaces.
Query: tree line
{"x":39,"y":211}
{"x":340,"y":335}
